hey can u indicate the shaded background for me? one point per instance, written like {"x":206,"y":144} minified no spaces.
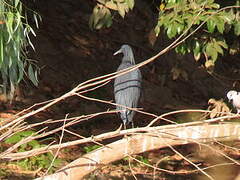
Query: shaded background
{"x":70,"y":53}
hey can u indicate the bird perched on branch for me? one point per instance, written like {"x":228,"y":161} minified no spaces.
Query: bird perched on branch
{"x":234,"y":96}
{"x":127,"y":87}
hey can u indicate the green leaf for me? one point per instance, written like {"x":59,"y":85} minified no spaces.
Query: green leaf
{"x":218,"y":48}
{"x":35,"y":17}
{"x":196,"y":46}
{"x":20,"y":71}
{"x":157,"y":30}
{"x":9,"y":24}
{"x":18,"y":20}
{"x":169,"y":31}
{"x":228,"y":16}
{"x":34,"y":144}
{"x":208,"y":48}
{"x":222,"y":43}
{"x":1,"y":49}
{"x":57,"y":162}
{"x":165,"y":20}
{"x":182,"y":48}
{"x":26,"y":133}
{"x":211,"y":25}
{"x":32,"y":31}
{"x":100,"y":18}
{"x":108,"y":18}
{"x":23,"y":147}
{"x":32,"y":75}
{"x":215,"y":6}
{"x":13,"y":139}
{"x":197,"y":56}
{"x":175,"y":27}
{"x":121,"y":9}
{"x":220,"y":24}
{"x":180,"y":28}
{"x":130,"y":3}
{"x":172,"y":29}
{"x":237,"y":28}
{"x":100,"y":24}
{"x":196,"y":50}
{"x":13,"y":74}
{"x":95,"y":17}
{"x":210,"y":1}
{"x":88,"y":149}
{"x":16,"y":2}
{"x":172,"y":1}
{"x":211,"y":51}
{"x":27,"y":30}
{"x":143,"y":159}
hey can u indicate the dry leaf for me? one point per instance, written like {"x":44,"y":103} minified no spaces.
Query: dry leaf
{"x":152,"y":37}
{"x":217,"y":107}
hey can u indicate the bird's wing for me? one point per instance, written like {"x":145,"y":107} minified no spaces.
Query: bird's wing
{"x":135,"y":89}
{"x":127,"y":88}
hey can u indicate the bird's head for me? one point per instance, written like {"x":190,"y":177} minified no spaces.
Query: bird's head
{"x":231,"y":94}
{"x":127,"y":53}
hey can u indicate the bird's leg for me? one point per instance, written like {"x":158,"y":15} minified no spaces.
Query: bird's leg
{"x":126,"y":115}
{"x":132,"y":124}
{"x":124,"y":126}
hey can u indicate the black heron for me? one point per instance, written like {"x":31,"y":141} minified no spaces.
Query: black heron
{"x":127,"y":87}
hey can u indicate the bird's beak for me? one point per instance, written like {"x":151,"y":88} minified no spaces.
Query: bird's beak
{"x":119,"y":51}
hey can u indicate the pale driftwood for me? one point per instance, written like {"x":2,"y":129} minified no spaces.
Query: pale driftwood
{"x":21,"y":155}
{"x":139,"y":143}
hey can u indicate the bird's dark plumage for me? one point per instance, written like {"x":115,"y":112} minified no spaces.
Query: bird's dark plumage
{"x":127,"y":87}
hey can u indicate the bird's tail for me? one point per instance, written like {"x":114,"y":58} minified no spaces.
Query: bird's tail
{"x":125,"y":116}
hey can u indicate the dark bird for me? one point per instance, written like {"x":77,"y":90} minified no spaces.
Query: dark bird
{"x":127,"y":87}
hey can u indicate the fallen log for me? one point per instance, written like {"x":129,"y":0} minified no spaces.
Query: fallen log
{"x":152,"y":139}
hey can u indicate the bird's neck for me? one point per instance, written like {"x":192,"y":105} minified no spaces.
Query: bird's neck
{"x":130,"y":60}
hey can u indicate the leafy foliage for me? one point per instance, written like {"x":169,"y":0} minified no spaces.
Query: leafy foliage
{"x":42,"y":161}
{"x":176,"y":17}
{"x":179,"y":16}
{"x":88,"y":149}
{"x":4,"y":172}
{"x":102,"y":16}
{"x":14,"y":37}
{"x":19,"y":136}
{"x":143,"y":159}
